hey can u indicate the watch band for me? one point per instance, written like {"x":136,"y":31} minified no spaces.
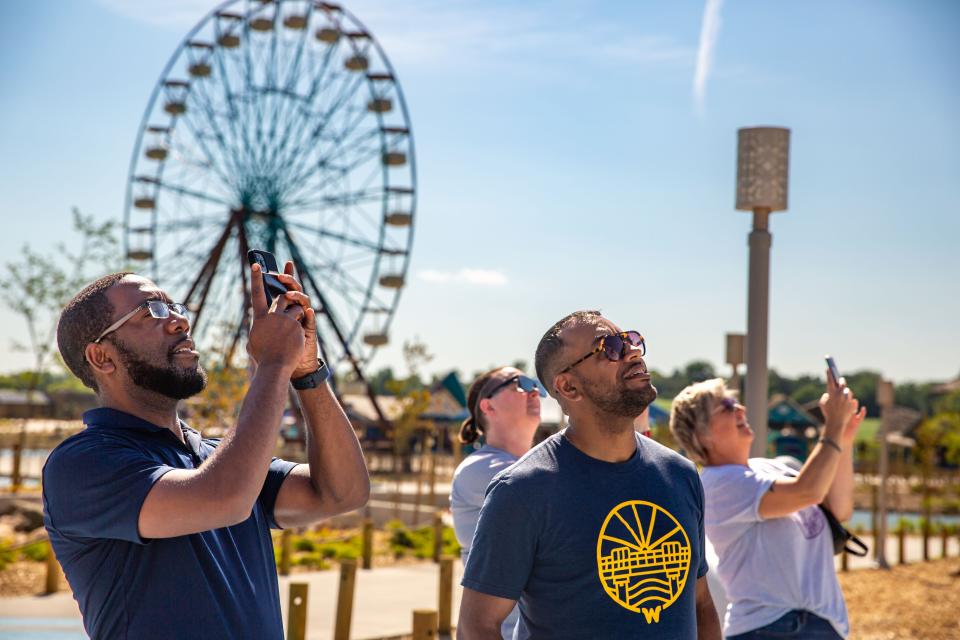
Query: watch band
{"x":312,"y":380}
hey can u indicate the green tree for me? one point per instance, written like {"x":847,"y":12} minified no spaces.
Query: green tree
{"x":915,"y":395}
{"x":698,"y":371}
{"x":38,"y":285}
{"x":415,"y":398}
{"x":863,"y":384}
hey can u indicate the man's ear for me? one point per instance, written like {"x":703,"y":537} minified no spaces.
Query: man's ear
{"x":566,"y":387}
{"x":99,"y":359}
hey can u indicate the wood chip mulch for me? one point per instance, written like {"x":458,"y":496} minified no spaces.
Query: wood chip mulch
{"x":918,"y":601}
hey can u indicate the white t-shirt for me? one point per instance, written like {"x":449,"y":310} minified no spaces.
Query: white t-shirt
{"x":768,"y":567}
{"x":470,"y":482}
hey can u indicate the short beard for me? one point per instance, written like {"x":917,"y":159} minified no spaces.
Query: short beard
{"x":619,"y":400}
{"x":169,"y":381}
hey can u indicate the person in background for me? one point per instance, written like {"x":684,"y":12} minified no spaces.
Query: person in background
{"x":504,"y":407}
{"x":774,"y":545}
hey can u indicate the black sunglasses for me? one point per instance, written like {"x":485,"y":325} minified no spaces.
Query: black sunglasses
{"x":524,"y":384}
{"x":614,"y":346}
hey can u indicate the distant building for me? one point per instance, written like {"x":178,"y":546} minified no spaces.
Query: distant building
{"x":15,"y":403}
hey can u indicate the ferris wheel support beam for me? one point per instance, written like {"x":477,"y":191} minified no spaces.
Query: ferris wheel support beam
{"x":328,"y":312}
{"x":242,"y":248}
{"x":207,"y":272}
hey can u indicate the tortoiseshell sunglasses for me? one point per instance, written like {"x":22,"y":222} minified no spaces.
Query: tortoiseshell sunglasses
{"x":614,"y":346}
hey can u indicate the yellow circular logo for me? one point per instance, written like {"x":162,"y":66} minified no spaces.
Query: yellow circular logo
{"x":643,"y":557}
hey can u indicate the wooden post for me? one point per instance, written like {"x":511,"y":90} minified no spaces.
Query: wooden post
{"x":52,"y":582}
{"x":286,"y":547}
{"x":445,"y":604}
{"x":367,"y":543}
{"x":437,"y":535}
{"x":396,"y":495}
{"x":297,"y":612}
{"x":457,"y":449}
{"x":15,"y":477}
{"x":943,"y":540}
{"x":424,"y":624}
{"x":434,"y":443}
{"x":874,"y":490}
{"x":348,"y":580}
{"x":901,"y":543}
{"x":844,"y":561}
{"x":927,"y":504}
{"x":419,"y":499}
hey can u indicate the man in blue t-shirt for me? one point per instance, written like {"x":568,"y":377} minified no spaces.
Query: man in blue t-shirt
{"x":164,"y":534}
{"x":598,"y":531}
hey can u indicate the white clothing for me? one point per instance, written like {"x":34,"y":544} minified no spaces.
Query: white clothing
{"x":768,"y":567}
{"x":470,"y":482}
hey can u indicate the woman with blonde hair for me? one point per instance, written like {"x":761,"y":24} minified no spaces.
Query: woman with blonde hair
{"x":774,"y":543}
{"x":504,"y":406}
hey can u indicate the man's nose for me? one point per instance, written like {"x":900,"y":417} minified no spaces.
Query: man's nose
{"x":178,"y":323}
{"x":634,"y":352}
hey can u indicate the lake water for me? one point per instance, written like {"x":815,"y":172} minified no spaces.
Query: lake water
{"x":862,"y":518}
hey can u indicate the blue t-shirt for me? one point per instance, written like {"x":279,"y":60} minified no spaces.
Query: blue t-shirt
{"x":593,"y":549}
{"x":214,"y":584}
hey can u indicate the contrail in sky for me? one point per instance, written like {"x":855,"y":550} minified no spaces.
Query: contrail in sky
{"x":709,"y":31}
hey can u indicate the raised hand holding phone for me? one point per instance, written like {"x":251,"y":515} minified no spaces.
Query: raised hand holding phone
{"x":276,"y":336}
{"x":841,"y":411}
{"x":272,"y":287}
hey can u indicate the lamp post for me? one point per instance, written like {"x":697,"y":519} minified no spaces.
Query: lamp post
{"x":885,"y":400}
{"x":735,"y":357}
{"x":762,"y":176}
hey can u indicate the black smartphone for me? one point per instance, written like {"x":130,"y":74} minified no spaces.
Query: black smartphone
{"x":832,"y":366}
{"x":272,"y":286}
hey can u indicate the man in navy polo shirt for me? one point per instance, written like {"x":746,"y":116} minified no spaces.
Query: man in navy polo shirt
{"x":165,"y":534}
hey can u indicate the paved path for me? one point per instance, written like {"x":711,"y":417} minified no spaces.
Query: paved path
{"x":383,"y":606}
{"x":384,"y":601}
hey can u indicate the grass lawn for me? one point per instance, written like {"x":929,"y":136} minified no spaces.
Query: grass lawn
{"x":868,"y":430}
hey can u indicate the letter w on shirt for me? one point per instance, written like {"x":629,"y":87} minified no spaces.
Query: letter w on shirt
{"x":652,"y":615}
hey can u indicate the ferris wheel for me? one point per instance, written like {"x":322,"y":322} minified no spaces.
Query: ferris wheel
{"x":278,"y":125}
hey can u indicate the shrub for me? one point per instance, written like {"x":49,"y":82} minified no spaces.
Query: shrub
{"x":303,"y":544}
{"x":37,"y":552}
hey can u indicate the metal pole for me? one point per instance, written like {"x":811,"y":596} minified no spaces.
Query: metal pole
{"x":757,"y":316}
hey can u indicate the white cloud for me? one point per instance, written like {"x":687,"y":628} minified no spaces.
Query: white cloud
{"x":162,"y":13}
{"x":446,"y":33}
{"x":709,"y":32}
{"x":482,"y":277}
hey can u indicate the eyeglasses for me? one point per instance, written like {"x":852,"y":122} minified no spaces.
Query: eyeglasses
{"x":524,"y":384}
{"x":157,"y":308}
{"x":615,"y":347}
{"x":727,"y":405}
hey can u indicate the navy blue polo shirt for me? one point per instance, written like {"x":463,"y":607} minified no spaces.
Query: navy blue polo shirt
{"x":215,"y":584}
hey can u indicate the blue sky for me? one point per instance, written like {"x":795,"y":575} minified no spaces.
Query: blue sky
{"x":567,"y":159}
